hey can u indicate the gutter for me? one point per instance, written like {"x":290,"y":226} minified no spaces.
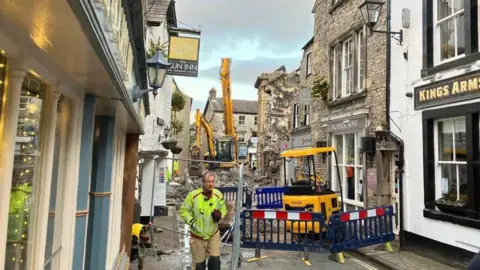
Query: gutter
{"x":84,"y":10}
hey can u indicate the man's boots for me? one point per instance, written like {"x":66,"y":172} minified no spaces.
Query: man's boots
{"x":214,"y":263}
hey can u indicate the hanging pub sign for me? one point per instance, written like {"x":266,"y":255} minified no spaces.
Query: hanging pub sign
{"x":459,"y":88}
{"x":183,"y":54}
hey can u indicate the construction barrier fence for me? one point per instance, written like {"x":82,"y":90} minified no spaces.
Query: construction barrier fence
{"x":269,"y":197}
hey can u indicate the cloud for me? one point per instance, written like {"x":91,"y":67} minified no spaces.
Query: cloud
{"x":279,"y":26}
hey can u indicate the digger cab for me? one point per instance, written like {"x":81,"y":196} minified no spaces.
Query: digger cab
{"x":306,"y":191}
{"x":224,"y":147}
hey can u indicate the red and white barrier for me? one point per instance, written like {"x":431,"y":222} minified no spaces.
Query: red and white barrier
{"x":362,"y":214}
{"x":282,"y":215}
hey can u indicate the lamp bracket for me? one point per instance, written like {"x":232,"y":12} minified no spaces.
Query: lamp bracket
{"x":398,"y":36}
{"x":138,"y":93}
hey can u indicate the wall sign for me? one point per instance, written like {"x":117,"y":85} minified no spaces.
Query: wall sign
{"x":459,"y":88}
{"x":348,"y":124}
{"x":302,"y":141}
{"x":183,"y":53}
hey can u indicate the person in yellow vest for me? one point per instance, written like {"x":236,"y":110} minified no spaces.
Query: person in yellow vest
{"x":202,"y":210}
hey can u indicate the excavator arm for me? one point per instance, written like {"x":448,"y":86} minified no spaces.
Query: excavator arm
{"x":227,"y":104}
{"x":201,"y":122}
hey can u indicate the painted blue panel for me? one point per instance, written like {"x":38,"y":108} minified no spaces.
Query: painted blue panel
{"x":86,"y":150}
{"x":102,"y":166}
{"x":79,"y":246}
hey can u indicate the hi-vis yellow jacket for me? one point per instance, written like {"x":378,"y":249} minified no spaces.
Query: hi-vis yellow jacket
{"x":197,"y":210}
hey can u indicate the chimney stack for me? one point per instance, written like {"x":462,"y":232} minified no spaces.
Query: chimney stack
{"x":212,"y":93}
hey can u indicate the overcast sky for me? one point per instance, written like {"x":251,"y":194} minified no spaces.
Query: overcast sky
{"x":259,"y":36}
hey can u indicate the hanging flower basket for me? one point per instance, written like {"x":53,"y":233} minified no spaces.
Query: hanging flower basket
{"x":169,"y":143}
{"x":176,"y":150}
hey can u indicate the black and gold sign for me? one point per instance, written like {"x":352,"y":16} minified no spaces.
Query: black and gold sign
{"x":460,"y":88}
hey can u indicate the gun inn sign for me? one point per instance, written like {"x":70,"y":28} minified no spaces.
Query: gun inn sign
{"x":456,"y":89}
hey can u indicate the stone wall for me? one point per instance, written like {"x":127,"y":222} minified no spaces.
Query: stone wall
{"x":275,"y":113}
{"x":333,"y":24}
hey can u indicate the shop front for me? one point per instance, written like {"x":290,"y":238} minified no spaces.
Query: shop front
{"x":442,"y":141}
{"x":345,"y":135}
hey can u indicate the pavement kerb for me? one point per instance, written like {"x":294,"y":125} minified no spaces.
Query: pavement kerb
{"x":376,"y":260}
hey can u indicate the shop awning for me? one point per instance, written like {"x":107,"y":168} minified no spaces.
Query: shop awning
{"x":306,"y":152}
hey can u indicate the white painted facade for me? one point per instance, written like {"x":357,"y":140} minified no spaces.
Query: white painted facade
{"x":406,"y":75}
{"x":160,"y":107}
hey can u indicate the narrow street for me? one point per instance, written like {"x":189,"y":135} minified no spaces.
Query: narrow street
{"x":168,"y":240}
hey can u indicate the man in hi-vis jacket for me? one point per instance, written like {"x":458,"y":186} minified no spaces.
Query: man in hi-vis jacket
{"x":202,"y":210}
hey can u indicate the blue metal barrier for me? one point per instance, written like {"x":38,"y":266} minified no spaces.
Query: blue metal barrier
{"x":263,"y":229}
{"x":269,"y":197}
{"x":356,"y":229}
{"x":230,"y":194}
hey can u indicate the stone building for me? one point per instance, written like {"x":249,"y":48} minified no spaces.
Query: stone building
{"x":244,"y":114}
{"x":300,"y":129}
{"x":352,"y":106}
{"x":183,"y":137}
{"x":275,"y":93}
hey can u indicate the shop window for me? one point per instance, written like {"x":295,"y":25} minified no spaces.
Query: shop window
{"x":350,"y":166}
{"x":25,"y":173}
{"x":241,"y":120}
{"x":451,"y":149}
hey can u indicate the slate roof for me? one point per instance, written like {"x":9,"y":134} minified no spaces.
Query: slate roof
{"x":157,"y":10}
{"x":239,"y":106}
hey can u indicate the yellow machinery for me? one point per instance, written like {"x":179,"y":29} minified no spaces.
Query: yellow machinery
{"x":230,"y":140}
{"x":309,"y":192}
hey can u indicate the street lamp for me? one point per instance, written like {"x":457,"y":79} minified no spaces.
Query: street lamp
{"x":157,"y":71}
{"x":371,"y":12}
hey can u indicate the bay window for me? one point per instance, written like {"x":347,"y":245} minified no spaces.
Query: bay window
{"x":350,"y":167}
{"x":451,"y":149}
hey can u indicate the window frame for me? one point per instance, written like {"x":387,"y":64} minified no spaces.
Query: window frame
{"x":255,"y":120}
{"x":306,"y":116}
{"x":240,"y":135}
{"x":437,"y":32}
{"x":295,"y":115}
{"x":471,"y":112}
{"x":240,"y":118}
{"x":357,"y":68}
{"x":471,"y":28}
{"x":357,"y":202}
{"x":308,"y":64}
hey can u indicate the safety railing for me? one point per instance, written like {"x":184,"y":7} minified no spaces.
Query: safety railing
{"x":269,"y":197}
{"x":353,"y":230}
{"x":279,"y":230}
{"x":230,"y":195}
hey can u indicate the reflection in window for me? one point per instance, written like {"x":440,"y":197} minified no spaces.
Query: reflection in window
{"x":450,"y":28}
{"x":452,"y":164}
{"x":24,"y":175}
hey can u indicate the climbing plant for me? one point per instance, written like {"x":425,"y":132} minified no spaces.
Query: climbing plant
{"x":154,"y":45}
{"x":320,"y":89}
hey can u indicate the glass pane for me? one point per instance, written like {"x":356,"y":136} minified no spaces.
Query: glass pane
{"x":350,"y":147}
{"x":460,"y":140}
{"x":458,"y":5}
{"x":445,"y":8}
{"x":447,"y":39}
{"x":26,"y":157}
{"x":451,"y":184}
{"x":336,"y":179}
{"x":350,"y":173}
{"x":339,"y":148}
{"x":3,"y":76}
{"x":445,"y":140}
{"x":460,"y":35}
{"x":359,"y":153}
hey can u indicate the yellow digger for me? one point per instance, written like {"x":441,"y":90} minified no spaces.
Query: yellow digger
{"x":308,"y":192}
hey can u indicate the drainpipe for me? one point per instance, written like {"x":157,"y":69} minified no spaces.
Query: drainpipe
{"x":387,"y":68}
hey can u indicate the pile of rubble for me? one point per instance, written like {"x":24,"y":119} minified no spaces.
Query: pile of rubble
{"x":178,"y":189}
